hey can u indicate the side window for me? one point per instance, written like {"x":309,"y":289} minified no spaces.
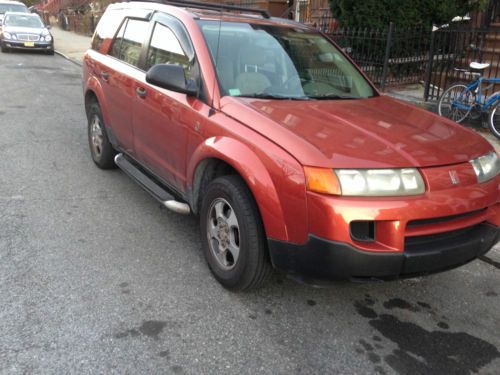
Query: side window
{"x":165,"y":48}
{"x":117,"y":43}
{"x":128,"y":42}
{"x":106,"y":28}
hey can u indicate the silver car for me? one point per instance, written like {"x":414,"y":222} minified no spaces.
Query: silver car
{"x":11,"y":6}
{"x":25,"y":31}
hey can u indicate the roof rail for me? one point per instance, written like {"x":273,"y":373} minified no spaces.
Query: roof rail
{"x":202,"y":5}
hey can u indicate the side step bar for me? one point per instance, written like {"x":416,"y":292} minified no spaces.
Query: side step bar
{"x":151,"y":186}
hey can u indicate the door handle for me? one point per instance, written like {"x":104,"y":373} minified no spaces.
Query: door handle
{"x":105,"y":75}
{"x":141,"y":92}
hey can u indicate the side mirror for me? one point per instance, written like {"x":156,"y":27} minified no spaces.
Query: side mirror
{"x":170,"y":77}
{"x":48,"y":27}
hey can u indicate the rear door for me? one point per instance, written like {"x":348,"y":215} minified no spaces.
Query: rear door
{"x":163,"y":119}
{"x":118,"y":74}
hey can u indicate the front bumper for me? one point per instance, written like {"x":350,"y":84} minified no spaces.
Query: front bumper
{"x":37,"y":46}
{"x":320,"y":259}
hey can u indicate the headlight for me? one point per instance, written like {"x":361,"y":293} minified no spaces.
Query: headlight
{"x":46,"y":38}
{"x":486,"y":166}
{"x":365,"y":182}
{"x":7,"y":35}
{"x":380,"y":182}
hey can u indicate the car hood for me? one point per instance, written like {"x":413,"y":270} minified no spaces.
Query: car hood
{"x":29,"y":30}
{"x":378,"y":132}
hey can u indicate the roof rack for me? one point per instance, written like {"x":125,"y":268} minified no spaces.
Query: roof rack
{"x":200,"y":5}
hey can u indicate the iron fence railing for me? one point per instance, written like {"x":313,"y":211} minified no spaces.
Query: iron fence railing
{"x":80,"y":23}
{"x":451,"y":53}
{"x":490,"y":14}
{"x":388,"y":56}
{"x":393,"y":56}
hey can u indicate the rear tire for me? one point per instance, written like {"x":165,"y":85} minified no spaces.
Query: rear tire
{"x":494,"y":120}
{"x":101,"y":150}
{"x":232,"y":234}
{"x":455,"y":91}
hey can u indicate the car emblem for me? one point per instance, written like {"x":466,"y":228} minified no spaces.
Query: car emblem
{"x":454,"y":177}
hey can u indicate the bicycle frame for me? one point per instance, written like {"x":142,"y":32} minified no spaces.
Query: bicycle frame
{"x":475,"y":87}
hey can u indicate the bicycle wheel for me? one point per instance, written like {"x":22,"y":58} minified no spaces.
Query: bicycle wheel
{"x":456,"y":102}
{"x":494,"y":120}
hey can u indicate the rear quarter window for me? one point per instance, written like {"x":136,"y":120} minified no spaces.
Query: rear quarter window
{"x":106,"y":29}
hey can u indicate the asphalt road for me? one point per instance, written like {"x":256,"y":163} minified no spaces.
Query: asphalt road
{"x":95,"y":277}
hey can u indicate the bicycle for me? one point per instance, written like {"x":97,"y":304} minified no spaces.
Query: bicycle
{"x":461,"y":100}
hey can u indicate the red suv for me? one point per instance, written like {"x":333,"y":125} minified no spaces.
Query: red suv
{"x":289,"y":155}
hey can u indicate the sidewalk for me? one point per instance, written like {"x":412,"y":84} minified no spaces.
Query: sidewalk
{"x":73,"y":47}
{"x":413,"y":93}
{"x":70,"y":45}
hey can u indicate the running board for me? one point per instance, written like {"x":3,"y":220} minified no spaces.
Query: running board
{"x":157,"y":191}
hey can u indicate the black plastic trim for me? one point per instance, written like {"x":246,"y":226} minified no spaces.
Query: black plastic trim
{"x":321,"y":259}
{"x":149,"y":181}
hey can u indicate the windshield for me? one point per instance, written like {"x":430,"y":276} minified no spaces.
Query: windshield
{"x":12,"y":8}
{"x":23,"y":21}
{"x":280,"y":63}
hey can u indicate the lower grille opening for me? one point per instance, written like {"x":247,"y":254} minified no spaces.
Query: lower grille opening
{"x":422,"y":243}
{"x":363,"y":231}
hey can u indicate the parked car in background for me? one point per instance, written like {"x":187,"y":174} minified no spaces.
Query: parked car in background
{"x":290,"y":156}
{"x":11,"y":6}
{"x":25,"y":31}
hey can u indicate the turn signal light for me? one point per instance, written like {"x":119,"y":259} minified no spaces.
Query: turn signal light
{"x":322,"y":180}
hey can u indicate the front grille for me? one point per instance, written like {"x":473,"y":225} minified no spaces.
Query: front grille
{"x":437,"y":252}
{"x":417,"y":243}
{"x":28,"y":37}
{"x":443,"y":219}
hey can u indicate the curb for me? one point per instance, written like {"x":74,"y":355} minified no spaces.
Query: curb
{"x":76,"y":62}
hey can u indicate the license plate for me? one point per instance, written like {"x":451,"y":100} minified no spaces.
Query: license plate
{"x":29,"y":44}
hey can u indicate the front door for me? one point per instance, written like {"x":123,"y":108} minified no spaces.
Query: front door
{"x":164,"y":119}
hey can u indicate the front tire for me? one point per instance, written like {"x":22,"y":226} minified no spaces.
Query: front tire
{"x":456,"y":92}
{"x":5,"y":49}
{"x":101,"y":150}
{"x":232,"y":234}
{"x":494,"y":120}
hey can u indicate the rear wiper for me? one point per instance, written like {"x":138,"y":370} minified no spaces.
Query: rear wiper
{"x":272,"y":96}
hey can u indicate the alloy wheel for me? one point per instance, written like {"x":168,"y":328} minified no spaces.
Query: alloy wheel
{"x":96,"y":136}
{"x":223,"y":233}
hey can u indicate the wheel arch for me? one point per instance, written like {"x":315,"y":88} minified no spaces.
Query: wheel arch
{"x":93,"y":91}
{"x":225,"y":156}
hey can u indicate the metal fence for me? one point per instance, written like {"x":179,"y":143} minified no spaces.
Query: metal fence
{"x":390,"y":56}
{"x":80,"y":23}
{"x":83,"y":24}
{"x":406,"y":56}
{"x":451,"y":52}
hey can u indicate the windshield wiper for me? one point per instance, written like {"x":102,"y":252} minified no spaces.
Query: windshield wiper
{"x":272,"y":96}
{"x":333,"y":96}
